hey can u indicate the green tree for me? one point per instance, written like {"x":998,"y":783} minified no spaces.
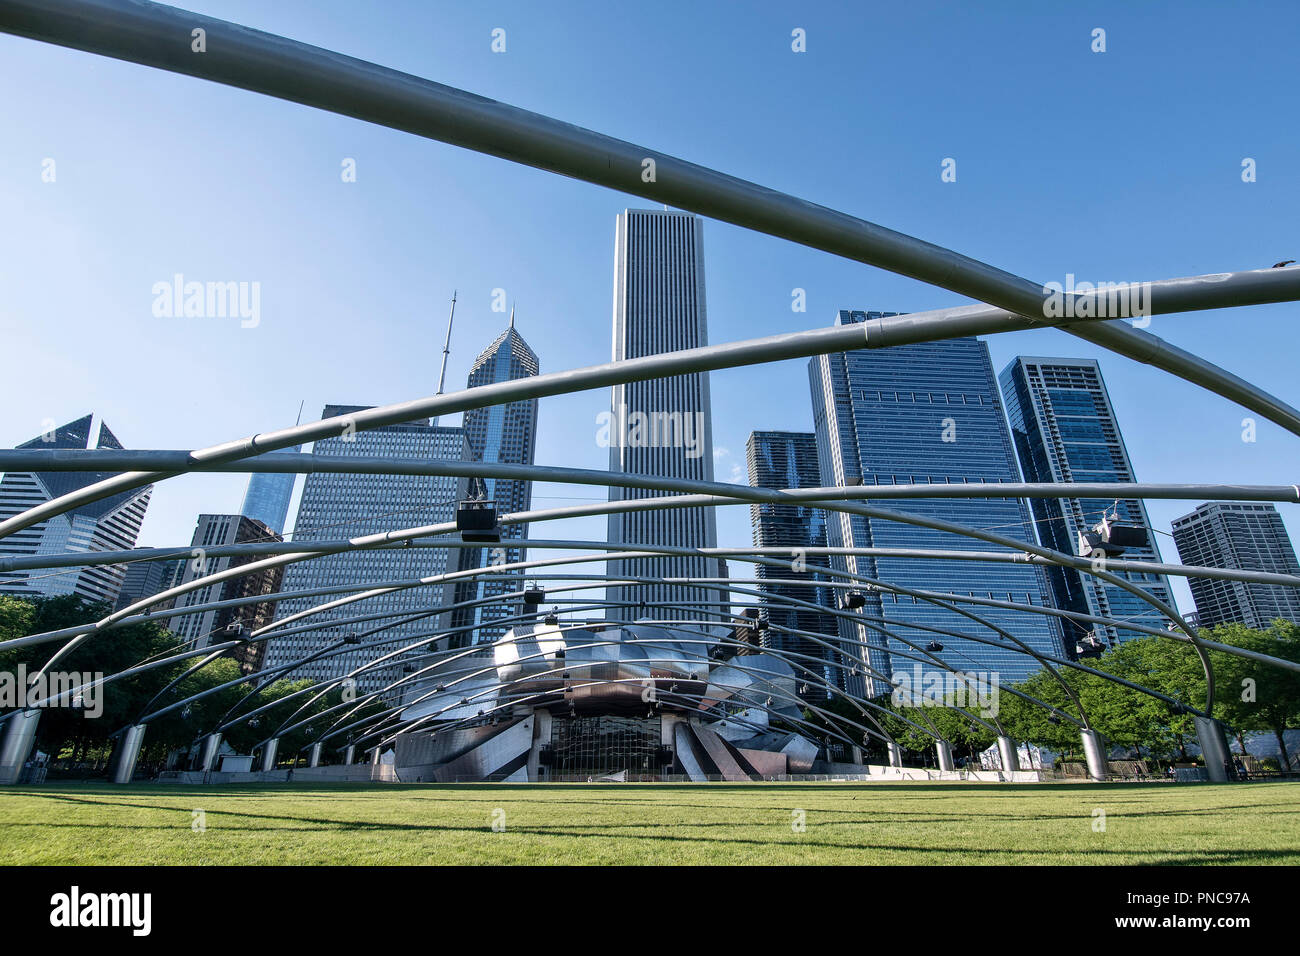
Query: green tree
{"x":1032,"y":723}
{"x":72,"y":734}
{"x":1253,"y":696}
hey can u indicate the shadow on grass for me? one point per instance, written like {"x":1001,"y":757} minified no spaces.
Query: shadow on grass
{"x":635,"y":829}
{"x":1154,"y":857}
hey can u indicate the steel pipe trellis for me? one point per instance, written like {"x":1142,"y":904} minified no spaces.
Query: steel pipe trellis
{"x":158,"y":36}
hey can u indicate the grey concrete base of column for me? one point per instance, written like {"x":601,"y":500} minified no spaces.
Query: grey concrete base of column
{"x":313,"y":755}
{"x":350,"y":755}
{"x":1214,"y":748}
{"x":1094,"y":752}
{"x":943,"y":750}
{"x":128,"y":751}
{"x":16,"y":745}
{"x":1009,"y":753}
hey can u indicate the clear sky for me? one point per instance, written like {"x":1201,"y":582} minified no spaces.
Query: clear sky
{"x":1116,"y":166}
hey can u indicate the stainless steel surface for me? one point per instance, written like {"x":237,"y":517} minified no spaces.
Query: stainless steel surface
{"x":943,"y":750}
{"x":1214,"y":748}
{"x":208,"y":752}
{"x":127,"y":753}
{"x":16,"y":747}
{"x":499,"y":756}
{"x":1094,"y":752}
{"x":270,"y":751}
{"x":1008,"y":754}
{"x":800,"y":753}
{"x":895,"y":754}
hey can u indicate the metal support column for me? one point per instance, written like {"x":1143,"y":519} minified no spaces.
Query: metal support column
{"x":895,"y":754}
{"x":1214,"y":747}
{"x":209,"y":751}
{"x":1094,"y":751}
{"x":944,"y":751}
{"x":269,"y":753}
{"x":19,"y":736}
{"x":1009,"y":753}
{"x":128,"y":751}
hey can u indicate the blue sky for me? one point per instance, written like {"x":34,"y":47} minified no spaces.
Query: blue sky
{"x":1114,"y":166}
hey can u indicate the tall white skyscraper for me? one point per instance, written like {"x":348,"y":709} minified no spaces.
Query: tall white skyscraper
{"x":110,"y":524}
{"x":661,"y":427}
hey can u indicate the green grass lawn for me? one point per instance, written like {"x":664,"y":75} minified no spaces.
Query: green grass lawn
{"x":624,"y":823}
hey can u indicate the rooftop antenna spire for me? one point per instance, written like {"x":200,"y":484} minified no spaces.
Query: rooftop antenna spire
{"x":512,"y":315}
{"x":446,"y":350}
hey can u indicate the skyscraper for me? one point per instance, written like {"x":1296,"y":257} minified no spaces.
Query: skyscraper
{"x":498,"y":433}
{"x":268,"y":496}
{"x":146,"y":578}
{"x":345,"y":505}
{"x":926,"y":414}
{"x":110,"y":524}
{"x":269,"y":493}
{"x":1065,"y":429}
{"x":780,"y":460}
{"x":661,"y":427}
{"x":208,"y":627}
{"x":1242,"y":536}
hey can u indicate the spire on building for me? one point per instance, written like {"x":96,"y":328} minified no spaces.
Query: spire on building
{"x":446,"y":350}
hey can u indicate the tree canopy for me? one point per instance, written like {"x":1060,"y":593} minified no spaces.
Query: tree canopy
{"x":76,"y":733}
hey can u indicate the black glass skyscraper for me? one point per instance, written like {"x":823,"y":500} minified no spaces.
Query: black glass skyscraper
{"x":927,"y":414}
{"x":780,"y":460}
{"x":1065,"y":430}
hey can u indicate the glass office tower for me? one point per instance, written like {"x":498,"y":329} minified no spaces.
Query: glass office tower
{"x":498,"y":433}
{"x":336,"y":506}
{"x":268,"y":495}
{"x":927,"y":414}
{"x":1065,"y":430}
{"x":780,"y":460}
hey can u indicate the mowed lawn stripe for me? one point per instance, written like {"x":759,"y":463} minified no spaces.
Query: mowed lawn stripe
{"x":653,"y":824}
